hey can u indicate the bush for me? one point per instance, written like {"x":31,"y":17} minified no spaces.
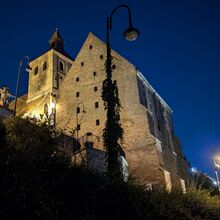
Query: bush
{"x":38,"y":181}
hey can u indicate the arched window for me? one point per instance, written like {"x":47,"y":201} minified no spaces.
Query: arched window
{"x":61,"y":66}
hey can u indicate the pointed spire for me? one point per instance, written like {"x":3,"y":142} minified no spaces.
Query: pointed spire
{"x":56,"y":41}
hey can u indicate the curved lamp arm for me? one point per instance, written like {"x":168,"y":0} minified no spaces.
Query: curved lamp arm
{"x":115,"y":9}
{"x":130,"y":33}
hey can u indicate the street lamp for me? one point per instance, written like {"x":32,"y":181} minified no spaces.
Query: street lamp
{"x":130,"y":33}
{"x":113,"y":132}
{"x":28,"y":69}
{"x":216,"y":160}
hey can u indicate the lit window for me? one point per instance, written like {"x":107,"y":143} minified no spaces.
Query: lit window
{"x":94,"y":73}
{"x":95,"y":88}
{"x":77,"y":94}
{"x":96,"y":104}
{"x":97,"y":122}
{"x":82,"y":63}
{"x":61,"y":66}
{"x":45,"y":65}
{"x":77,"y":79}
{"x":36,"y":70}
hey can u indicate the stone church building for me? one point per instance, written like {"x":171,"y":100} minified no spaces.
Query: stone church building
{"x":67,"y":93}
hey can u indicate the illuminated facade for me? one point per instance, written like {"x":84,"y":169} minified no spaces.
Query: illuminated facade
{"x":67,"y":92}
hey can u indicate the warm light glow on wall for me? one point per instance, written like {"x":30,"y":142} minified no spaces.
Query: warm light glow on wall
{"x":32,"y":114}
{"x":52,"y":105}
{"x":57,"y":106}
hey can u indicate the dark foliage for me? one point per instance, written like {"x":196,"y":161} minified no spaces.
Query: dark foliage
{"x":37,"y":181}
{"x":113,"y":132}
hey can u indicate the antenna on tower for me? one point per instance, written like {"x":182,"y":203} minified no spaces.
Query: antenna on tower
{"x":56,"y":23}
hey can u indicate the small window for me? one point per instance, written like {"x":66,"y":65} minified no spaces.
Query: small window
{"x":78,"y":127}
{"x":113,"y":66}
{"x":97,"y":122}
{"x":77,"y":94}
{"x":101,"y":57}
{"x":61,"y":66}
{"x":82,"y":63}
{"x":78,"y":110}
{"x":77,"y":79}
{"x":45,"y":65}
{"x":96,"y":104}
{"x":90,"y":47}
{"x":36,"y":70}
{"x":115,"y":82}
{"x":95,"y":89}
{"x":94,"y":73}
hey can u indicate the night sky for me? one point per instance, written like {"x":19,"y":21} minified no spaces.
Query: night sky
{"x":178,"y":52}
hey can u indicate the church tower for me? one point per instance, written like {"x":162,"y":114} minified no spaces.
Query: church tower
{"x":48,"y":73}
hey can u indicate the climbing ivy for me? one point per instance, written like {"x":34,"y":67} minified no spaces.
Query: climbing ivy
{"x":113,"y":132}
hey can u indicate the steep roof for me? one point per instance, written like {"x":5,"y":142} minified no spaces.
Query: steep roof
{"x":55,"y":37}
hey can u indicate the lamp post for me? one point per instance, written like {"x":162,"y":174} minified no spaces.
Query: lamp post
{"x":28,"y":69}
{"x":76,"y":144}
{"x":113,"y":132}
{"x":216,"y":161}
{"x":77,"y":117}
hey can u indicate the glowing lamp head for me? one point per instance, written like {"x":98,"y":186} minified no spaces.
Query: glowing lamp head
{"x":131,"y":34}
{"x":52,"y":105}
{"x":215,"y":183}
{"x":194,"y":170}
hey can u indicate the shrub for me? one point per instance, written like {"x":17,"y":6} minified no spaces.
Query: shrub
{"x":37,"y":181}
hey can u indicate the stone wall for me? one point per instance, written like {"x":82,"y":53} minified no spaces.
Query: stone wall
{"x":97,"y":160}
{"x":40,"y":78}
{"x":161,"y":127}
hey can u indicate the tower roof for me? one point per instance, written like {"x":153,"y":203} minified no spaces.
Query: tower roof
{"x":56,"y":41}
{"x":55,"y":36}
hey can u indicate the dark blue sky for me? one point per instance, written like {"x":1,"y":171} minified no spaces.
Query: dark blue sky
{"x":178,"y":52}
